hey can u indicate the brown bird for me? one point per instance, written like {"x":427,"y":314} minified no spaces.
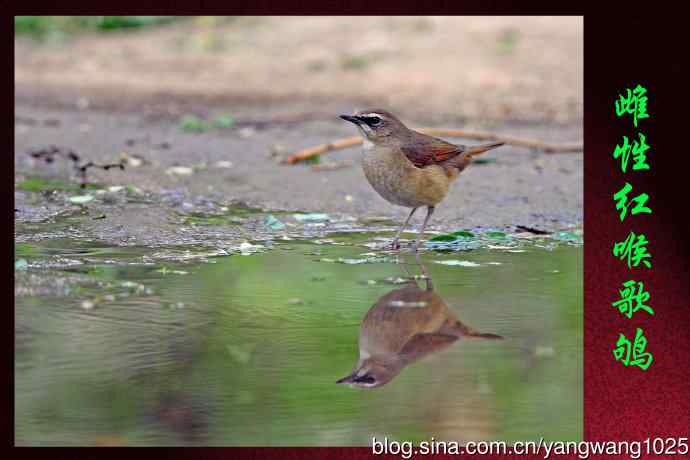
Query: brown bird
{"x":403,"y":326}
{"x":409,"y":168}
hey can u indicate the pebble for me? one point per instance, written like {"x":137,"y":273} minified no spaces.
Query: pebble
{"x":179,"y":171}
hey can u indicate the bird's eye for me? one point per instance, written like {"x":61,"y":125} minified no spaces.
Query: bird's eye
{"x":374,"y":120}
{"x":366,"y":378}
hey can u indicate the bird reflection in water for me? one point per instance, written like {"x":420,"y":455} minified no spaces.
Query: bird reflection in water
{"x":403,"y":326}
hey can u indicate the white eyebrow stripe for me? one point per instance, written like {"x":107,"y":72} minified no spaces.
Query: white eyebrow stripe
{"x":372,"y":114}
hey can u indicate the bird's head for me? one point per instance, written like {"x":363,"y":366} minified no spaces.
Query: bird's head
{"x":370,"y":373}
{"x":376,"y":125}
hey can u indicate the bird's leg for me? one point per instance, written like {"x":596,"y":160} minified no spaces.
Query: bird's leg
{"x":425,"y":274}
{"x":429,"y":282}
{"x":429,"y":212}
{"x":395,"y":244}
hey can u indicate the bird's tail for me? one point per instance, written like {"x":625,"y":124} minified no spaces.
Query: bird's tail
{"x":479,"y":149}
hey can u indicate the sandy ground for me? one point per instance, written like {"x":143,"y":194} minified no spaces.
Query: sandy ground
{"x":285,"y":80}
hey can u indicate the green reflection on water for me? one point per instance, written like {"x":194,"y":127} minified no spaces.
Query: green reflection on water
{"x":246,"y":351}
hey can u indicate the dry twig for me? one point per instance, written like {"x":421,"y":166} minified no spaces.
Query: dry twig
{"x":49,"y":154}
{"x":476,"y":135}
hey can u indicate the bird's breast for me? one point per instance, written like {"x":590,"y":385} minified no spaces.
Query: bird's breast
{"x":398,"y":181}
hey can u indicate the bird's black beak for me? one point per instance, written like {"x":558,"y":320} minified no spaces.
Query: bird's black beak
{"x":351,"y":119}
{"x":350,"y":378}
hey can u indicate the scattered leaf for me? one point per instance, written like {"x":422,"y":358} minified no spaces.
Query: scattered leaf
{"x":81,"y":199}
{"x":568,"y":236}
{"x":273,"y":223}
{"x":313,"y":217}
{"x":20,"y":264}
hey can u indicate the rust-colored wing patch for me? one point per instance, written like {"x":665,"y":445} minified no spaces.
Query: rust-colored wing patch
{"x":423,"y":344}
{"x":427,"y":150}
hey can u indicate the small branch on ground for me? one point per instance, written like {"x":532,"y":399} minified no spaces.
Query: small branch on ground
{"x":476,"y":135}
{"x":82,"y":169}
{"x":323,"y":148}
{"x":48,"y":155}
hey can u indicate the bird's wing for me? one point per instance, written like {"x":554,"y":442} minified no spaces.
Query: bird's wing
{"x":428,"y":150}
{"x":422,"y":344}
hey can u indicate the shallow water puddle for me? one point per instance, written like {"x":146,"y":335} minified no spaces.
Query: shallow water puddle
{"x":189,"y":345}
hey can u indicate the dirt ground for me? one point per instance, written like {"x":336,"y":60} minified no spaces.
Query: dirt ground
{"x":285,"y":80}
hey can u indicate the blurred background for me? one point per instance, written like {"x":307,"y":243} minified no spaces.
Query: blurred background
{"x":519,"y":68}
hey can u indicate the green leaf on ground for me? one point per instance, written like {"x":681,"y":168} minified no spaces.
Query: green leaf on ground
{"x":443,"y":238}
{"x":80,"y":199}
{"x":568,"y":236}
{"x":223,"y":121}
{"x":193,"y":124}
{"x":312,"y":217}
{"x":273,"y":223}
{"x":20,"y":264}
